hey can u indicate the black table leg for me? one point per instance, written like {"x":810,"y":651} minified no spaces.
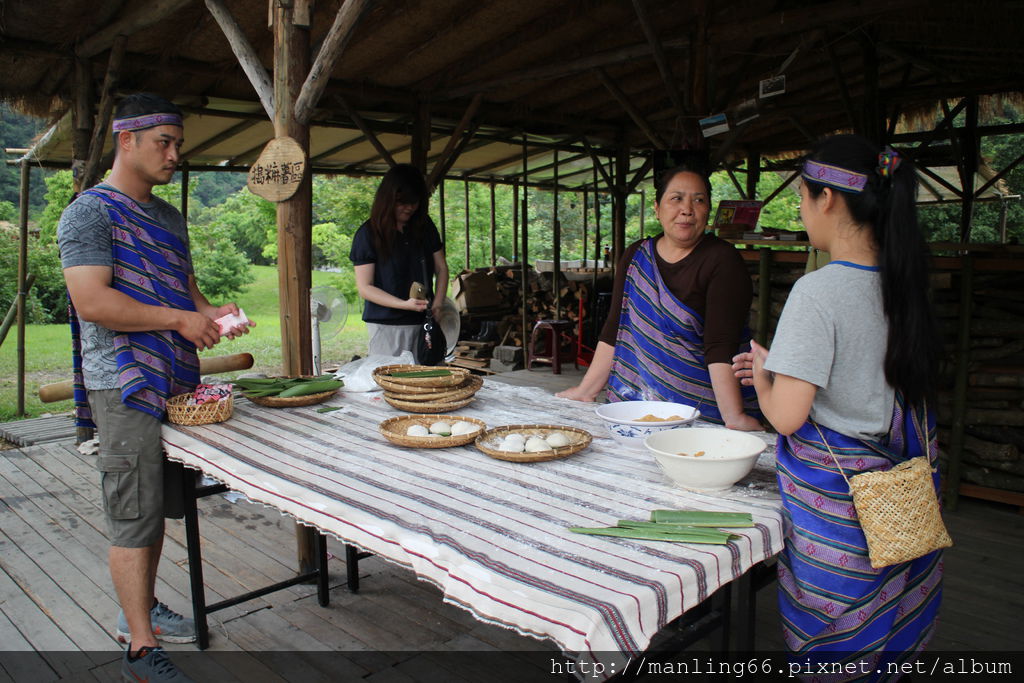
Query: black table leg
{"x":195,"y":563}
{"x":352,"y":567}
{"x":746,"y":604}
{"x":323,"y":590}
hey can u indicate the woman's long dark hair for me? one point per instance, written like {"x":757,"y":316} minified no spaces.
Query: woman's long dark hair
{"x":402,"y":184}
{"x":888,"y":206}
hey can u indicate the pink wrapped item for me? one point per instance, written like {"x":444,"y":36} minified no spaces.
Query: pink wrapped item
{"x":231,"y":320}
{"x":206,"y":393}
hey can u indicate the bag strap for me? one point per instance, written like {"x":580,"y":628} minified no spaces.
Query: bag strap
{"x":834,"y":459}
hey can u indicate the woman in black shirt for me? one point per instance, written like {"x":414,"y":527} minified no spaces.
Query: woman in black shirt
{"x":398,"y":246}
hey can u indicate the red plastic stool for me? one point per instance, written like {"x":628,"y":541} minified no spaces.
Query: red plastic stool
{"x":556,"y":330}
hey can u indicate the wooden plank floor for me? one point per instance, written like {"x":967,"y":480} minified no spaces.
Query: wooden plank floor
{"x":58,"y":608}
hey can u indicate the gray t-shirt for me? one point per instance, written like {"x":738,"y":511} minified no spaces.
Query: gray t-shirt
{"x":833,"y":334}
{"x":85,"y":238}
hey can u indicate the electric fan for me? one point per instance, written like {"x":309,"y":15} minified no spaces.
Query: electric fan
{"x":328,"y":312}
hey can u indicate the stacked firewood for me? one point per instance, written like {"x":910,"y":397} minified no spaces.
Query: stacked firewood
{"x":994,"y":420}
{"x":543,"y":290}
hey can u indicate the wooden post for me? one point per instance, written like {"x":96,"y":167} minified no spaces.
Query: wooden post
{"x":441,"y":208}
{"x":494,"y":229}
{"x":753,"y":174}
{"x":92,"y":172}
{"x":465,"y":184}
{"x":556,"y":274}
{"x":963,"y":352}
{"x":586,"y":215}
{"x":970,"y":149}
{"x":515,"y":221}
{"x":764,"y":294}
{"x":294,"y":223}
{"x":597,"y":257}
{"x":22,"y":278}
{"x":619,"y":204}
{"x":643,"y":211}
{"x":82,"y":120}
{"x":524,"y":258}
{"x":184,"y":191}
{"x":421,"y":137}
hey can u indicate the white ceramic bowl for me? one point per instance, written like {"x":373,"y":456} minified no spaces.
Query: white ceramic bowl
{"x":621,"y":419}
{"x":728,"y":456}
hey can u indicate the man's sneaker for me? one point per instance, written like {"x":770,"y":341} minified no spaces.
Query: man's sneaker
{"x":153,"y":665}
{"x":168,"y":626}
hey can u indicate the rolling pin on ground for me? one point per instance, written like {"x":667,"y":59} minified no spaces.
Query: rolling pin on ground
{"x":60,"y":391}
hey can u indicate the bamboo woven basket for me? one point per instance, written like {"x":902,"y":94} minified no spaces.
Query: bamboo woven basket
{"x":456,"y":393}
{"x":428,"y":406}
{"x":180,"y":413}
{"x":458,"y":376}
{"x":489,"y":440}
{"x":292,"y":401}
{"x":393,"y":429}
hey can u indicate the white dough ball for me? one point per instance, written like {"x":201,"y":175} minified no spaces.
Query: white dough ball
{"x":511,"y":446}
{"x":557,"y":439}
{"x":441,"y":428}
{"x":535,"y":444}
{"x":460,"y":428}
{"x":417,"y":430}
{"x":514,"y":438}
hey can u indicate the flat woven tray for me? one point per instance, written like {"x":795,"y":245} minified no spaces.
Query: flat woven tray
{"x":464,"y":390}
{"x":578,"y":440}
{"x":393,"y":429}
{"x":292,"y":401}
{"x":428,"y":406}
{"x":457,"y":377}
{"x":208,"y":413}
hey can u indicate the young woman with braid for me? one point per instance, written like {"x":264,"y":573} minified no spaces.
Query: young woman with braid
{"x":851,"y":370}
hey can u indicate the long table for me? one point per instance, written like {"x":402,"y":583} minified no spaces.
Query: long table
{"x":490,"y":534}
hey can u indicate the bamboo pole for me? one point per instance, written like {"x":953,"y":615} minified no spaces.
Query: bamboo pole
{"x":184,"y":191}
{"x":441,"y":207}
{"x":22,"y":279}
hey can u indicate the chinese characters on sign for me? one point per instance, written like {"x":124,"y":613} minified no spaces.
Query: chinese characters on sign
{"x":277,"y":173}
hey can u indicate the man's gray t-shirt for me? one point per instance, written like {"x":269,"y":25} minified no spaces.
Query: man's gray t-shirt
{"x":833,"y":334}
{"x":85,"y":238}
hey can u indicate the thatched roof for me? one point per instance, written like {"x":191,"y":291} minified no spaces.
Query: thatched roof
{"x":560,"y":73}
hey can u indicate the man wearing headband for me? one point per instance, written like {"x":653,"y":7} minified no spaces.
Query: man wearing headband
{"x":137,"y":319}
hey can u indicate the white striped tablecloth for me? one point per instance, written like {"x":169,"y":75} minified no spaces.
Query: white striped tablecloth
{"x":492,"y":534}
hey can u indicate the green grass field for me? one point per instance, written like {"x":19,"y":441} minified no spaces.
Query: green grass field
{"x":48,"y":347}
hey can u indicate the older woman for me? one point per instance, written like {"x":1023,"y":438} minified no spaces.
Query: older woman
{"x":398,"y":246}
{"x":680,"y":305}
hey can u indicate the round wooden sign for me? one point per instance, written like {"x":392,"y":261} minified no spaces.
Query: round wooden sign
{"x":279,"y":170}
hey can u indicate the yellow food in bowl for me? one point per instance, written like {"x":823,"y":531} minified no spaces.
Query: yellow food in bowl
{"x":654,"y":418}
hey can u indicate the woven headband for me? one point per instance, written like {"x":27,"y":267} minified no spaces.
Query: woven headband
{"x":833,"y":176}
{"x":146,"y":121}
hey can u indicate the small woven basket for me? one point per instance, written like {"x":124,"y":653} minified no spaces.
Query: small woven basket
{"x":393,"y":429}
{"x":428,"y":406}
{"x":180,"y":413}
{"x":456,"y":393}
{"x":489,"y":440}
{"x":899,"y":513}
{"x":382,"y":376}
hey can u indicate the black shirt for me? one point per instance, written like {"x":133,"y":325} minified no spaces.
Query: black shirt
{"x":398,"y":272}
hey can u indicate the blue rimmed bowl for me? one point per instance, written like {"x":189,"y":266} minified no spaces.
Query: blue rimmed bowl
{"x":624,"y":423}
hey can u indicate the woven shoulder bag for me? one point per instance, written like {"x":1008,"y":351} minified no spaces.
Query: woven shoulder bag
{"x":898,"y":510}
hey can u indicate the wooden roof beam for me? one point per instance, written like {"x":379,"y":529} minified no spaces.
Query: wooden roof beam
{"x":659,"y":55}
{"x":449,"y":153}
{"x":219,"y":138}
{"x":106,"y":109}
{"x":361,"y":124}
{"x":442,"y":167}
{"x":358,"y":140}
{"x":631,"y":110}
{"x":507,"y":161}
{"x":137,"y":17}
{"x":246,"y":55}
{"x":398,"y":150}
{"x":548,"y":70}
{"x":334,"y":44}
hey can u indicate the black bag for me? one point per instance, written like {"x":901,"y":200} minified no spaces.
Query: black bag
{"x":431,"y":346}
